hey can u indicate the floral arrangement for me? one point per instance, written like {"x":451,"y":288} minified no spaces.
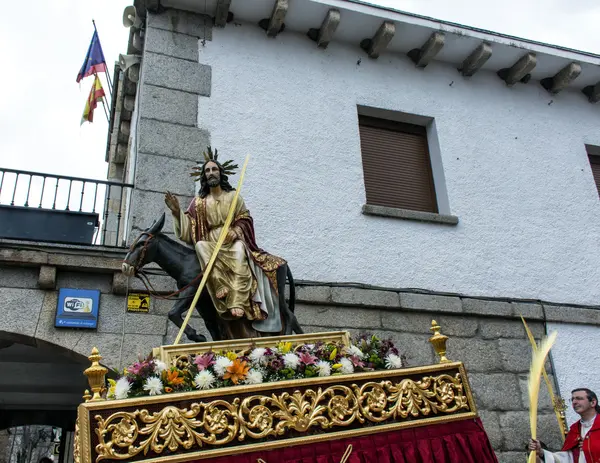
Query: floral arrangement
{"x":254,"y":366}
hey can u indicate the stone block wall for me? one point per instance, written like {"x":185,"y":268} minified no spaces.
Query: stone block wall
{"x":27,"y":312}
{"x":485,"y":334}
{"x":5,"y":441}
{"x":168,"y":141}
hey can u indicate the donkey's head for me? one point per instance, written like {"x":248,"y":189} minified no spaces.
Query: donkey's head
{"x":143,"y":249}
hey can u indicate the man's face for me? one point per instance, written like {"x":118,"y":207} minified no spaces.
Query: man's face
{"x":213,"y":176}
{"x":581,"y":403}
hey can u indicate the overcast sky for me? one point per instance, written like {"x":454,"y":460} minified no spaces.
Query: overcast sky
{"x":43,"y":45}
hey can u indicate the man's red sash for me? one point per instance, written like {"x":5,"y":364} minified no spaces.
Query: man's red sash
{"x":590,"y":443}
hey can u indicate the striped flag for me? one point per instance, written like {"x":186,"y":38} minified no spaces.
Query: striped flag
{"x":94,"y":59}
{"x":96,"y":94}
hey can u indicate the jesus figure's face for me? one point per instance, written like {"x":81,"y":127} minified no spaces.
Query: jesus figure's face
{"x":212,"y":173}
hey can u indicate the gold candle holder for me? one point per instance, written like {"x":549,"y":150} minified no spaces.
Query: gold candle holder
{"x":438,"y":341}
{"x":96,"y":374}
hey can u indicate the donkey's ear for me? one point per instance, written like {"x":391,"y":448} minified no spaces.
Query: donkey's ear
{"x":157,"y":226}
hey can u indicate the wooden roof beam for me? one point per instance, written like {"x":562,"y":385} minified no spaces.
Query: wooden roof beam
{"x":222,"y":13}
{"x":475,"y":61}
{"x":520,"y":71}
{"x":274,"y":25}
{"x":324,"y":35}
{"x":592,"y":92}
{"x":375,"y":46}
{"x":423,"y":56}
{"x":562,"y":78}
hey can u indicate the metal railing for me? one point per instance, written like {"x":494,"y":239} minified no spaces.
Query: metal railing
{"x":49,"y":192}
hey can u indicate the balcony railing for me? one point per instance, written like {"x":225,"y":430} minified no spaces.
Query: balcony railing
{"x":57,"y":208}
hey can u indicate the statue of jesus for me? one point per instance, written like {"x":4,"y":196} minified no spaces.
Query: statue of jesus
{"x":242,"y":283}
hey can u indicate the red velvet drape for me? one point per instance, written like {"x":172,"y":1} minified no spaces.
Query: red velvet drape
{"x":458,"y":442}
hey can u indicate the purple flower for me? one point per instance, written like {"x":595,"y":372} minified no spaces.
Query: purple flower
{"x":277,"y":364}
{"x":138,"y":367}
{"x":308,"y":359}
{"x":204,"y":361}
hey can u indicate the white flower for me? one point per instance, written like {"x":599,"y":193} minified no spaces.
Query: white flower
{"x":159,"y":366}
{"x":254,"y":377}
{"x":153,"y":385}
{"x":347,"y":366}
{"x":122,"y":388}
{"x":258,"y":356}
{"x":353,"y":350}
{"x":204,"y":380}
{"x":221,"y":364}
{"x":393,"y":361}
{"x":324,"y":368}
{"x":291,"y":360}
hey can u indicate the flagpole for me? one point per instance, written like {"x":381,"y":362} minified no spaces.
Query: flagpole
{"x":102,"y":100}
{"x":108,"y":78}
{"x":105,"y":111}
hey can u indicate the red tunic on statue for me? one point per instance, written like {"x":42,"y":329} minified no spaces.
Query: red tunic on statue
{"x":590,"y":444}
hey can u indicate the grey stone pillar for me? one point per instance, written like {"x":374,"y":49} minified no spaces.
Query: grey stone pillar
{"x":168,"y":141}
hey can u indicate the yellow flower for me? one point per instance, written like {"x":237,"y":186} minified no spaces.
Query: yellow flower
{"x":231,"y":356}
{"x":333,"y":354}
{"x":284,"y":347}
{"x":337,"y":365}
{"x":111,"y":390}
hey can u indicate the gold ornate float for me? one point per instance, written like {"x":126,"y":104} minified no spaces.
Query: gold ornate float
{"x":232,"y":420}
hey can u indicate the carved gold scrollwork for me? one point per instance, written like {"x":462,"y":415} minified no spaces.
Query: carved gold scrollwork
{"x":170,"y":428}
{"x":263,"y":416}
{"x":221,"y":421}
{"x":76,"y":445}
{"x":384,"y":400}
{"x":217,"y":423}
{"x":299,"y":411}
{"x":342,"y":407}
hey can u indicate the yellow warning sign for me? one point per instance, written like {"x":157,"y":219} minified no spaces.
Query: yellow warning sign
{"x":138,"y":303}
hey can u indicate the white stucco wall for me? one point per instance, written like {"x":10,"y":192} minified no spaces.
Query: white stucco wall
{"x":515,"y":166}
{"x":576,"y":355}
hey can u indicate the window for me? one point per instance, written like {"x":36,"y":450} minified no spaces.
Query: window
{"x":594,"y":157}
{"x":397,"y":166}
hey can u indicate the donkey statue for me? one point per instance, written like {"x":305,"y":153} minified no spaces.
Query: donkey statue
{"x":181,"y":263}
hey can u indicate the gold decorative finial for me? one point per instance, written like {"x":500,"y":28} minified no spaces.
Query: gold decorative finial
{"x":96,"y":375}
{"x":438,"y":341}
{"x":86,"y":395}
{"x":559,"y":408}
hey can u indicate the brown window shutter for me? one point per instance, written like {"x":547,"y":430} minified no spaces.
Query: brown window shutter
{"x":396,"y":164}
{"x":595,"y":164}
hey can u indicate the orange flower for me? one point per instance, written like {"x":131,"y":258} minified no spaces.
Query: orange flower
{"x":168,"y":389}
{"x":173,"y":378}
{"x":237,"y":371}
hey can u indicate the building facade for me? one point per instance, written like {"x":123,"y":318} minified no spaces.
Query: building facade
{"x":408,"y":169}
